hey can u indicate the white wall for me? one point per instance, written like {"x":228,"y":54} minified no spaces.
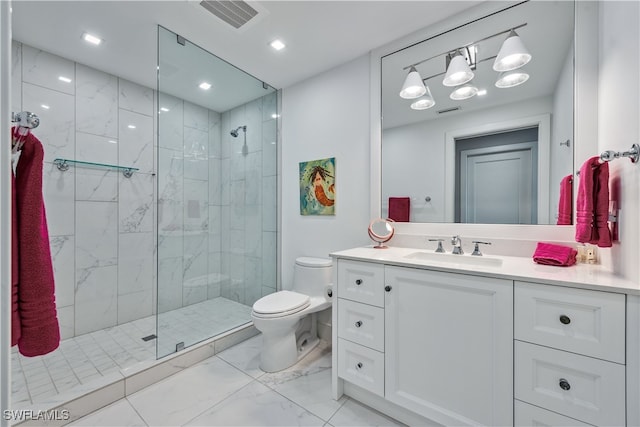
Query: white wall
{"x":426,"y":143}
{"x":618,"y":123}
{"x":326,"y":116}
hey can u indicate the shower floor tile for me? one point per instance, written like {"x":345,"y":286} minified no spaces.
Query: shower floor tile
{"x":85,"y":358}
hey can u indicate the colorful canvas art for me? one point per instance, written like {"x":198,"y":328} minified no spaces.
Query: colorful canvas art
{"x":318,"y":187}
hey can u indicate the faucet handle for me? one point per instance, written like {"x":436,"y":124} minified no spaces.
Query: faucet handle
{"x":476,"y":249}
{"x":439,"y":249}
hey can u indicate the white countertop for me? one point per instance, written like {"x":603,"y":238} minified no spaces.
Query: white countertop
{"x":583,"y":276}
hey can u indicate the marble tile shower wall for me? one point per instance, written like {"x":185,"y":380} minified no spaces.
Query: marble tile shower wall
{"x":100,"y":223}
{"x":216,"y":230}
{"x":216,"y":208}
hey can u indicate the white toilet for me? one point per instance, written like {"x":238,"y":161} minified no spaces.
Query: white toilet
{"x":285,"y":338}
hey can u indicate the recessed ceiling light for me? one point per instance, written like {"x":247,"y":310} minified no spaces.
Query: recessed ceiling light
{"x":45,"y":106}
{"x":90,"y":38}
{"x":131,"y":126}
{"x":164,"y":109}
{"x":205,"y":86}
{"x":482,"y":92}
{"x":277,"y":44}
{"x":64,"y":79}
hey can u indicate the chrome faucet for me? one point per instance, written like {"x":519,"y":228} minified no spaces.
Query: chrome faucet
{"x":457,"y":245}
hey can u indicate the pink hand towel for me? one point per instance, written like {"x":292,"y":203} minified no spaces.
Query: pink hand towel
{"x":558,"y":255}
{"x":39,"y":332}
{"x":565,"y":205}
{"x":399,"y":208}
{"x":592,"y":207}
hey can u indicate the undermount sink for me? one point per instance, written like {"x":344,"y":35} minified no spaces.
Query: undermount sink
{"x":456,"y":259}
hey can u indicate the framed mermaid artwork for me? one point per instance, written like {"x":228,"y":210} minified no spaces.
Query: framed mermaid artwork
{"x":318,"y":187}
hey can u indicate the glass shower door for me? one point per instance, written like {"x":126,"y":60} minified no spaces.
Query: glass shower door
{"x":216,"y":213}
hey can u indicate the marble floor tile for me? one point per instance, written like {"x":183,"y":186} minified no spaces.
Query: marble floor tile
{"x":245,"y":356}
{"x":308,"y":383}
{"x":183,"y":396}
{"x":355,"y":414}
{"x":120,"y":413}
{"x":256,"y":405}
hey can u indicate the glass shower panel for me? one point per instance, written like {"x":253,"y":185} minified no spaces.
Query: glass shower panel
{"x":217,"y":196}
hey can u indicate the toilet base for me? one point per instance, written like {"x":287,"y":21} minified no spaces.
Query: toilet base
{"x":279,"y":353}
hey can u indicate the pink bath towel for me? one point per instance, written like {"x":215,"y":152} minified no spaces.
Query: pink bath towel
{"x":565,"y":204}
{"x":558,"y":255}
{"x":592,"y":206}
{"x":399,"y":208}
{"x":39,"y":331}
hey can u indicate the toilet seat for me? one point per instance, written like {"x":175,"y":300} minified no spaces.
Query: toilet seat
{"x":280,"y":304}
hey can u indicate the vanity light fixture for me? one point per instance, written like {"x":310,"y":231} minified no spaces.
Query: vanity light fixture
{"x":458,"y":71}
{"x":512,"y":78}
{"x":277,"y":44}
{"x":424,"y":102}
{"x":413,"y":86}
{"x":464,"y":92}
{"x":513,"y":54}
{"x":204,"y":86}
{"x":90,"y":38}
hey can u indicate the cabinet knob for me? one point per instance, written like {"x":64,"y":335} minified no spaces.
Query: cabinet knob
{"x":387,"y":288}
{"x":564,"y":384}
{"x":359,"y":282}
{"x":565,"y":320}
{"x":359,"y":365}
{"x":358,"y":323}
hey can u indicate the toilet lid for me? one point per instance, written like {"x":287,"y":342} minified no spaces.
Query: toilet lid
{"x":279,"y":302}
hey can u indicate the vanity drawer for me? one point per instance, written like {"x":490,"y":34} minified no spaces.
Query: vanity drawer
{"x":528,"y":415}
{"x":577,"y":320}
{"x":361,"y":323}
{"x":580,"y":387}
{"x":361,"y":282}
{"x":361,"y":366}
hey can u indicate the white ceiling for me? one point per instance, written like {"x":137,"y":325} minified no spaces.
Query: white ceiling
{"x":319,"y":34}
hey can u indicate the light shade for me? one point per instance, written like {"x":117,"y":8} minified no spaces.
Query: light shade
{"x":424,"y":102}
{"x":413,"y":86}
{"x":464,"y":92}
{"x":458,"y":72}
{"x":512,"y":78}
{"x":513,"y":54}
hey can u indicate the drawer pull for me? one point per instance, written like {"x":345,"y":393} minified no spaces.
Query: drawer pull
{"x":564,"y":384}
{"x":359,"y":365}
{"x":358,"y":323}
{"x":565,"y":320}
{"x":358,"y":282}
{"x":387,"y":288}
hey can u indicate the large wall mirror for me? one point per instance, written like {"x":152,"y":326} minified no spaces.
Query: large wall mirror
{"x":500,"y":155}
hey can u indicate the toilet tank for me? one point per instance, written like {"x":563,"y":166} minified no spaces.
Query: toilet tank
{"x":311,"y":275}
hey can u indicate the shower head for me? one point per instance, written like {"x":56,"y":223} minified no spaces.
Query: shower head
{"x":234,"y":133}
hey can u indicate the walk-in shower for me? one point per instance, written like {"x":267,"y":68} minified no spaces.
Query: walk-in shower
{"x":176,"y":254}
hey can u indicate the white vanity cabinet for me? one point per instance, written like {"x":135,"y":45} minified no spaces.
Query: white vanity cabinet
{"x":448,"y":346}
{"x":570,"y":353}
{"x":438,"y":344}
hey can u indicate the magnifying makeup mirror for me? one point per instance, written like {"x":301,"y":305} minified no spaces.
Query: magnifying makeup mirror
{"x":381,"y":231}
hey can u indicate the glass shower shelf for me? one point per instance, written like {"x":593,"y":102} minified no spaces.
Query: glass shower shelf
{"x":63,"y":165}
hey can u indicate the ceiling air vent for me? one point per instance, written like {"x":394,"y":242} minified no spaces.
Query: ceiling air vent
{"x":448,"y":110}
{"x":234,"y":13}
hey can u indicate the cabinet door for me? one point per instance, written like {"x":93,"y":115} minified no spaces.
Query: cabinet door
{"x":449,"y":346}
